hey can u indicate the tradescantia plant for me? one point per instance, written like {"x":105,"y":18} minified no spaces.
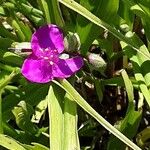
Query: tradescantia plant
{"x":44,"y":63}
{"x":60,"y":57}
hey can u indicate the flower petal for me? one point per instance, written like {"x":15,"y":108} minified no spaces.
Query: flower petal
{"x":66,"y":67}
{"x":48,"y":36}
{"x":35,"y":70}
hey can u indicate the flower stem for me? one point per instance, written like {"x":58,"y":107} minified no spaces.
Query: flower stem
{"x":80,"y":101}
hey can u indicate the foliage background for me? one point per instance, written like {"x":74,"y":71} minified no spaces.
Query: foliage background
{"x":116,"y":85}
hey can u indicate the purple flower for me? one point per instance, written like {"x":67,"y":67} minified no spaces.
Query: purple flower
{"x":44,"y":64}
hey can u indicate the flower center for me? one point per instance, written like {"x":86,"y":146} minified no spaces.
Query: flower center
{"x":52,"y":56}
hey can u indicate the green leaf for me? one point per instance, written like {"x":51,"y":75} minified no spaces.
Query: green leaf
{"x":55,"y":101}
{"x":10,"y":143}
{"x":39,"y":111}
{"x":6,"y":34}
{"x":141,"y":9}
{"x":81,"y":102}
{"x":3,"y":75}
{"x":99,"y":89}
{"x":10,"y":58}
{"x":22,"y":114}
{"x":129,"y":125}
{"x":8,"y":78}
{"x":9,"y":130}
{"x":55,"y":12}
{"x":138,"y":10}
{"x":129,"y":89}
{"x":115,"y":81}
{"x":26,"y":31}
{"x":5,"y":43}
{"x":2,"y":11}
{"x":140,"y":66}
{"x":108,"y":10}
{"x":63,"y":119}
{"x":4,"y":82}
{"x":28,"y":9}
{"x":143,"y":137}
{"x":44,"y":7}
{"x":9,"y":101}
{"x":34,"y":93}
{"x":51,"y":11}
{"x":87,"y":31}
{"x":94,"y":19}
{"x":125,"y":12}
{"x":1,"y":119}
{"x":14,"y":22}
{"x":70,"y":140}
{"x":36,"y":146}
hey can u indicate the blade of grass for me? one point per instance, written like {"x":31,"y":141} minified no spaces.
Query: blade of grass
{"x":10,"y":58}
{"x":15,"y":23}
{"x":55,"y":100}
{"x":2,"y":85}
{"x":81,"y":102}
{"x":51,"y":11}
{"x":55,"y":12}
{"x":10,"y":143}
{"x":129,"y":88}
{"x":106,"y":10}
{"x":139,"y":66}
{"x":5,"y":33}
{"x":129,"y":125}
{"x":71,"y":140}
{"x":84,"y":12}
{"x":44,"y":7}
{"x":1,"y":120}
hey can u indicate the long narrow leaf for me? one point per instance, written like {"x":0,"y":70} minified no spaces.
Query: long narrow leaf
{"x":80,"y":101}
{"x":71,"y":140}
{"x":129,"y":125}
{"x":55,"y":100}
{"x":10,"y":143}
{"x":84,"y":12}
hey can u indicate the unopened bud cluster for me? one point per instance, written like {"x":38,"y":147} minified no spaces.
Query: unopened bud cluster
{"x":72,"y":42}
{"x":96,"y":61}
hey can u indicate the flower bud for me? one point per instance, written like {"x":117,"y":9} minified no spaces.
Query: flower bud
{"x":96,"y":62}
{"x":72,"y":42}
{"x":22,"y":49}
